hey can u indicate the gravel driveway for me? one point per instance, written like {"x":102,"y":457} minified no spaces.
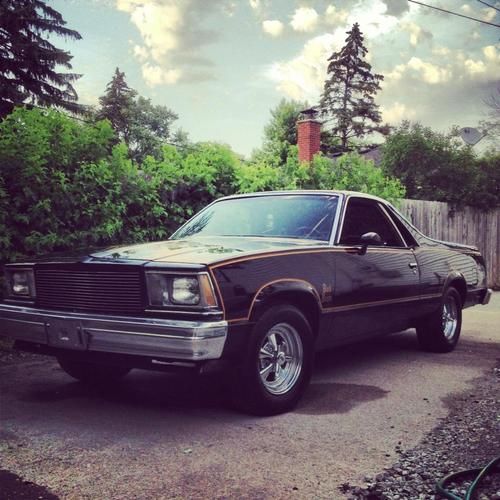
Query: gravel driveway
{"x":170,"y":436}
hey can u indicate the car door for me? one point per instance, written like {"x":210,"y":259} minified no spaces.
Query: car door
{"x":376,"y":286}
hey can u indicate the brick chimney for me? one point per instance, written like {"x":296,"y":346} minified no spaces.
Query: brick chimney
{"x":308,"y":138}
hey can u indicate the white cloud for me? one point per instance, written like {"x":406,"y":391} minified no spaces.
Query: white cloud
{"x":492,"y":53}
{"x":395,"y":75}
{"x":141,"y":53}
{"x":417,"y":33}
{"x":474,"y":67}
{"x":172,"y":38}
{"x":372,"y":18}
{"x":486,"y":14}
{"x":334,"y":16}
{"x":273,"y":27}
{"x":304,"y":19}
{"x":442,"y":88}
{"x":156,"y":75}
{"x":303,"y":77}
{"x":159,"y":26}
{"x":449,"y":66}
{"x":429,"y":72}
{"x":396,"y":113}
{"x":259,"y":7}
{"x":487,"y":68}
{"x":418,"y":69}
{"x":441,"y":51}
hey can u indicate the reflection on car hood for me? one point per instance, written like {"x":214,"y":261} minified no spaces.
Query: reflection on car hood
{"x":205,"y":250}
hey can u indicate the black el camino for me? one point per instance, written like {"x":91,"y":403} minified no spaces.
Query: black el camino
{"x":254,"y":284}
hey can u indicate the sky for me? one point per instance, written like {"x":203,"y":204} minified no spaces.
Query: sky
{"x":222,"y":65}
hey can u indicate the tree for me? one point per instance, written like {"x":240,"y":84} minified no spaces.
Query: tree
{"x":348,"y":99}
{"x":436,"y":166}
{"x":143,"y":126}
{"x":491,"y":125}
{"x":116,"y":105}
{"x":281,"y":131}
{"x":486,"y":192}
{"x":150,"y":128}
{"x":28,"y":61}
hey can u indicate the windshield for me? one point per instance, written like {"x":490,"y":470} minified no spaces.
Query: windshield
{"x":281,"y":216}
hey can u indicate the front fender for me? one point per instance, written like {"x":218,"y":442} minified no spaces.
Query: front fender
{"x":298,"y":292}
{"x":456,"y":279}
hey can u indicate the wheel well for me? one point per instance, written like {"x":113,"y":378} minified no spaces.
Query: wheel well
{"x":304,"y":302}
{"x":461,"y":288}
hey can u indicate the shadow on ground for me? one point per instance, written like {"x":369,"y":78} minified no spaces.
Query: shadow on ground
{"x":188,"y":394}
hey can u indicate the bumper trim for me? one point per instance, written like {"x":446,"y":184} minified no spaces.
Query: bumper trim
{"x":156,"y":337}
{"x":487,"y":297}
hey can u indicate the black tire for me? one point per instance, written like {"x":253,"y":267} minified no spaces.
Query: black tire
{"x":286,"y":368}
{"x":91,"y":373}
{"x":440,"y":331}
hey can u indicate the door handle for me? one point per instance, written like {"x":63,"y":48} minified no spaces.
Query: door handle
{"x":412,"y":265}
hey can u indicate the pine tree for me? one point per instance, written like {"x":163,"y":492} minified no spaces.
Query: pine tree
{"x":117,"y":105}
{"x":28,"y":61}
{"x":142,"y":125}
{"x":348,"y":99}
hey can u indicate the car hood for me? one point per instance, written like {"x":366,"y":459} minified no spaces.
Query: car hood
{"x":207,"y":250}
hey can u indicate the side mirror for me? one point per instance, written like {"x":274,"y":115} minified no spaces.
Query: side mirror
{"x":370,"y":239}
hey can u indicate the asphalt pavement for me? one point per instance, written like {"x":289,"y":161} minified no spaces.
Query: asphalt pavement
{"x":159,"y":435}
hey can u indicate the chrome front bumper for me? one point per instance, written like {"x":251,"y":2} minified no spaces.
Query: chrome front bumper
{"x":487,"y":296}
{"x":183,"y":340}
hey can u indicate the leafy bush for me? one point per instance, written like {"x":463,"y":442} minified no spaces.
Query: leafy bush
{"x":65,"y":184}
{"x":185,"y":183}
{"x":436,"y":166}
{"x":355,"y":173}
{"x":43,"y":156}
{"x":349,"y":172}
{"x":258,"y":177}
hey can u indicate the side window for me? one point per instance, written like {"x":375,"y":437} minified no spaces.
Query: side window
{"x":365,"y":216}
{"x":403,"y":229}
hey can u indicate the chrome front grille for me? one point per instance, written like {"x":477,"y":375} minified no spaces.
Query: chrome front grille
{"x":106,"y":291}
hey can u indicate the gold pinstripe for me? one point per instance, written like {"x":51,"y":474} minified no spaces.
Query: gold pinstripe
{"x":280,"y":253}
{"x":349,"y":307}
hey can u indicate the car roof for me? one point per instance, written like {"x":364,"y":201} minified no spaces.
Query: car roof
{"x":306,"y":192}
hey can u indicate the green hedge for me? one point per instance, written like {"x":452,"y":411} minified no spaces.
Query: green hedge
{"x":64,"y":185}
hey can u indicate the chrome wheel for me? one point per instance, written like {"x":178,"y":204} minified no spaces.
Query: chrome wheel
{"x":450,"y":317}
{"x":280,"y":358}
{"x":440,"y":330}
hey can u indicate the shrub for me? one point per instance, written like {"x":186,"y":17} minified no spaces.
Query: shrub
{"x":436,"y":166}
{"x":64,"y":185}
{"x":349,"y":172}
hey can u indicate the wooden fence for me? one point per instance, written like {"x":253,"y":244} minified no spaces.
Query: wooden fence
{"x":470,"y":226}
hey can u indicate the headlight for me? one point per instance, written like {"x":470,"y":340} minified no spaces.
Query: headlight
{"x":185,"y":291}
{"x":20,"y":283}
{"x":158,"y":289}
{"x":165,"y":290}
